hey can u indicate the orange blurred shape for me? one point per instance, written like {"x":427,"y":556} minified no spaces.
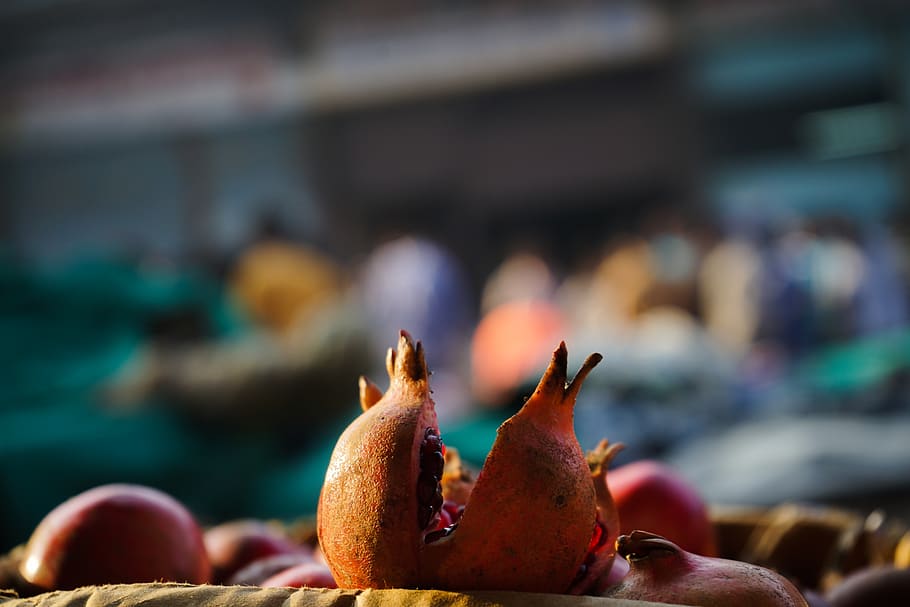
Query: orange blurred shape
{"x":511,"y":345}
{"x":281,"y":284}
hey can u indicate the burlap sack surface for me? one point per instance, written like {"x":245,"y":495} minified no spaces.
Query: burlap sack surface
{"x":184,"y":595}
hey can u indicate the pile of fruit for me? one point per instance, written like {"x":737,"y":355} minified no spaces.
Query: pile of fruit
{"x":400,"y":510}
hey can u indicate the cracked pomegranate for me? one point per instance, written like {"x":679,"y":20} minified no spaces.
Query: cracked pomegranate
{"x":380,"y":508}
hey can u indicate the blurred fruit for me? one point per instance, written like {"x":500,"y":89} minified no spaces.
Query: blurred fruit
{"x":235,"y":544}
{"x":116,"y":534}
{"x":872,"y":586}
{"x":509,"y":345}
{"x":661,"y":571}
{"x":378,"y":510}
{"x":310,"y":575}
{"x":258,"y":571}
{"x":653,"y":497}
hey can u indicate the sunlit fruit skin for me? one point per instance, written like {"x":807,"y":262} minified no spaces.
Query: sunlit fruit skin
{"x":531,"y":514}
{"x":367,"y":513}
{"x":116,"y":534}
{"x":529,"y":517}
{"x":662,"y":572}
{"x":652,"y":496}
{"x":594,"y":574}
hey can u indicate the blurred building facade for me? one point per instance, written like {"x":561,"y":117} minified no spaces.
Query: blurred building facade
{"x":172,"y":126}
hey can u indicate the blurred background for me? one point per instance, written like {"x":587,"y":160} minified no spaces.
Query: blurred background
{"x":217,"y":215}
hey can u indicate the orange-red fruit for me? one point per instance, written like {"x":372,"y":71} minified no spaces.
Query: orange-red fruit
{"x":530,"y":514}
{"x":116,"y":534}
{"x":662,"y":572}
{"x":235,"y":544}
{"x":594,"y":574}
{"x":654,"y":497}
{"x":309,"y":575}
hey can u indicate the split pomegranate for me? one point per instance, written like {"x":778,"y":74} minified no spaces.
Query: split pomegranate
{"x":662,"y":572}
{"x":652,"y":496}
{"x":528,"y":520}
{"x":116,"y":534}
{"x":235,"y":544}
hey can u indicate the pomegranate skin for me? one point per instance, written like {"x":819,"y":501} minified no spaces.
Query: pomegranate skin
{"x":662,"y":572}
{"x":257,"y":572}
{"x":309,"y":575}
{"x":112,"y":534}
{"x":528,"y":519}
{"x":600,"y":560}
{"x":233,"y":545}
{"x":367,"y":514}
{"x":652,"y":496}
{"x":873,"y":585}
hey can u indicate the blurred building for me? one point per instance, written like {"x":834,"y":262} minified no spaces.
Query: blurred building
{"x":171,"y":126}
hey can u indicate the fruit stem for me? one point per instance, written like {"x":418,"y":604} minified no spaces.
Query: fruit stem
{"x":640,"y":545}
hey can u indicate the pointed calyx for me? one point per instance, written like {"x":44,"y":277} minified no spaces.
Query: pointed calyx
{"x":554,"y":380}
{"x":407,"y":363}
{"x":601,"y":456}
{"x":640,"y":545}
{"x":369,"y":393}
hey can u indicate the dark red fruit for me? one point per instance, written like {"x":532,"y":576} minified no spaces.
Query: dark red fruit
{"x":116,"y":534}
{"x":877,"y":585}
{"x":304,"y":575}
{"x":652,"y":496}
{"x":235,"y":544}
{"x":257,"y":572}
{"x":662,"y":572}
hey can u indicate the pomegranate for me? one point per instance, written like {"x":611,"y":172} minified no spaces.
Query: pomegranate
{"x":527,"y":522}
{"x":873,"y":585}
{"x":593,"y":575}
{"x":235,"y":544}
{"x":652,"y":496}
{"x":662,"y":572}
{"x":258,"y":571}
{"x":116,"y":534}
{"x":310,"y":575}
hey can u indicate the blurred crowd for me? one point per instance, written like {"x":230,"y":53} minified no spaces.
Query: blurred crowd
{"x":680,"y":311}
{"x":767,"y":361}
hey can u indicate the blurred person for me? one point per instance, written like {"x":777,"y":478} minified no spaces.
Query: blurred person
{"x":619,"y":284}
{"x":675,"y":259}
{"x":728,"y":282}
{"x":786,"y":297}
{"x":414,"y":283}
{"x":280,"y":281}
{"x":881,"y":295}
{"x":523,"y":275}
